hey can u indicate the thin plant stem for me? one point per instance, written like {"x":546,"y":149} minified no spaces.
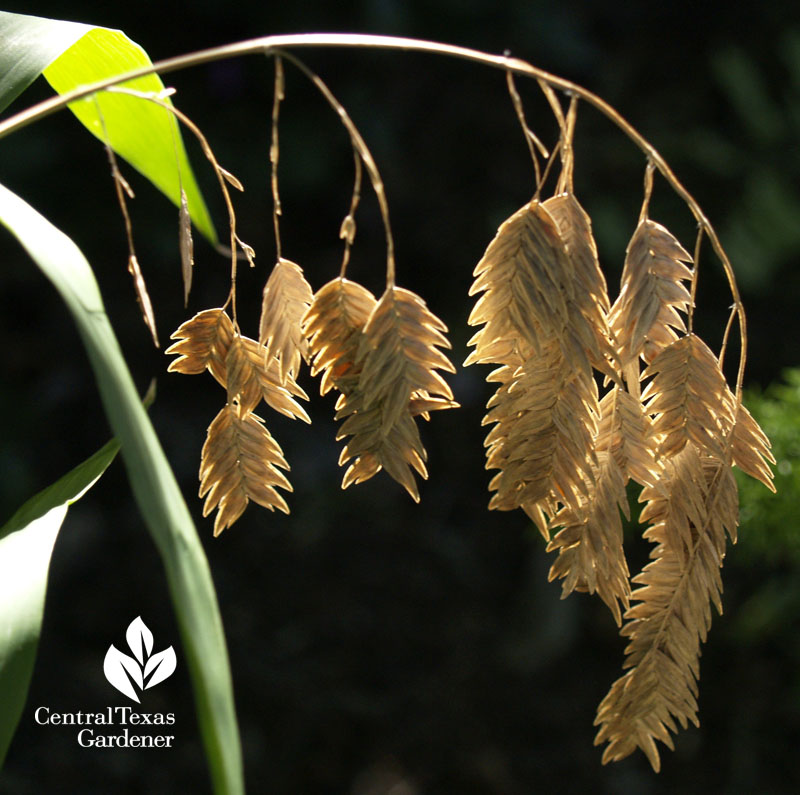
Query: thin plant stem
{"x":555,"y":103}
{"x":348,"y":229}
{"x":548,"y":166}
{"x":726,"y":336}
{"x":184,"y":220}
{"x":221,"y":178}
{"x":366,"y":156}
{"x":121,"y":188}
{"x":565,"y":182}
{"x":120,"y":183}
{"x":269,"y":44}
{"x":530,"y":137}
{"x":278,"y":96}
{"x":695,"y":269}
{"x":648,"y":190}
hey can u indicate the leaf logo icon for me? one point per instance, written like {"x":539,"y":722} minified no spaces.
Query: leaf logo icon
{"x":142,"y":670}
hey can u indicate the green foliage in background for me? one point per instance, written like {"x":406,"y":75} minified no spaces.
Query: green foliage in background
{"x":762,"y":230}
{"x":771,"y":522}
{"x":769,"y":537}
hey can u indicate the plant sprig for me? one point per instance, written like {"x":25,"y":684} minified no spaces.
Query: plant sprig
{"x":550,"y":82}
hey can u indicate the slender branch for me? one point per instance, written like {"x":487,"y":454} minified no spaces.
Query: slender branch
{"x":648,"y":191}
{"x":268,"y":44}
{"x":695,"y":271}
{"x":567,"y":152}
{"x":278,"y":96}
{"x":549,"y":165}
{"x":555,"y":103}
{"x":347,"y":231}
{"x":360,"y":145}
{"x":725,"y":336}
{"x":530,"y":137}
{"x":222,"y":177}
{"x":122,"y":189}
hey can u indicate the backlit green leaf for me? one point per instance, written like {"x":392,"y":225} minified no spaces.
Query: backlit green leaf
{"x":26,"y":544}
{"x":69,"y":54}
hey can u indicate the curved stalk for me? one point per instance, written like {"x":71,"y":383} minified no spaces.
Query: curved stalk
{"x":363,"y":152}
{"x":269,"y":44}
{"x":218,"y":170}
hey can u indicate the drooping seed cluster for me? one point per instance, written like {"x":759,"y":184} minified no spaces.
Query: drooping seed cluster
{"x":565,"y":457}
{"x":589,"y":396}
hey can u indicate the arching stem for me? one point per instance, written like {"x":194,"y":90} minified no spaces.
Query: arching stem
{"x":269,"y":44}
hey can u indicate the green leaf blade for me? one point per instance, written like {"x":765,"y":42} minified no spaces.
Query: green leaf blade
{"x":30,"y":45}
{"x":26,"y":546}
{"x":153,"y":483}
{"x":71,"y":54}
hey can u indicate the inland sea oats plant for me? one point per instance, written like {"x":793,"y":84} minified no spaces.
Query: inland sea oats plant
{"x":591,"y":394}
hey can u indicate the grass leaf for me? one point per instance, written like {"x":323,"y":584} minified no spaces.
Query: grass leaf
{"x":30,"y":44}
{"x":155,"y":489}
{"x":69,"y":54}
{"x":26,"y":544}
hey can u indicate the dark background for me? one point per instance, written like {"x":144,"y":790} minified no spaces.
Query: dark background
{"x":378,"y":646}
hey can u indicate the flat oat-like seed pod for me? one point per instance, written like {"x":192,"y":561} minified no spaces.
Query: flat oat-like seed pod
{"x":398,"y":354}
{"x":333,"y":325}
{"x":672,"y":614}
{"x":652,"y":290}
{"x":203,"y":343}
{"x":689,"y":398}
{"x":287,"y":297}
{"x":526,"y":278}
{"x":240,"y":462}
{"x":751,"y":448}
{"x":252,"y":374}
